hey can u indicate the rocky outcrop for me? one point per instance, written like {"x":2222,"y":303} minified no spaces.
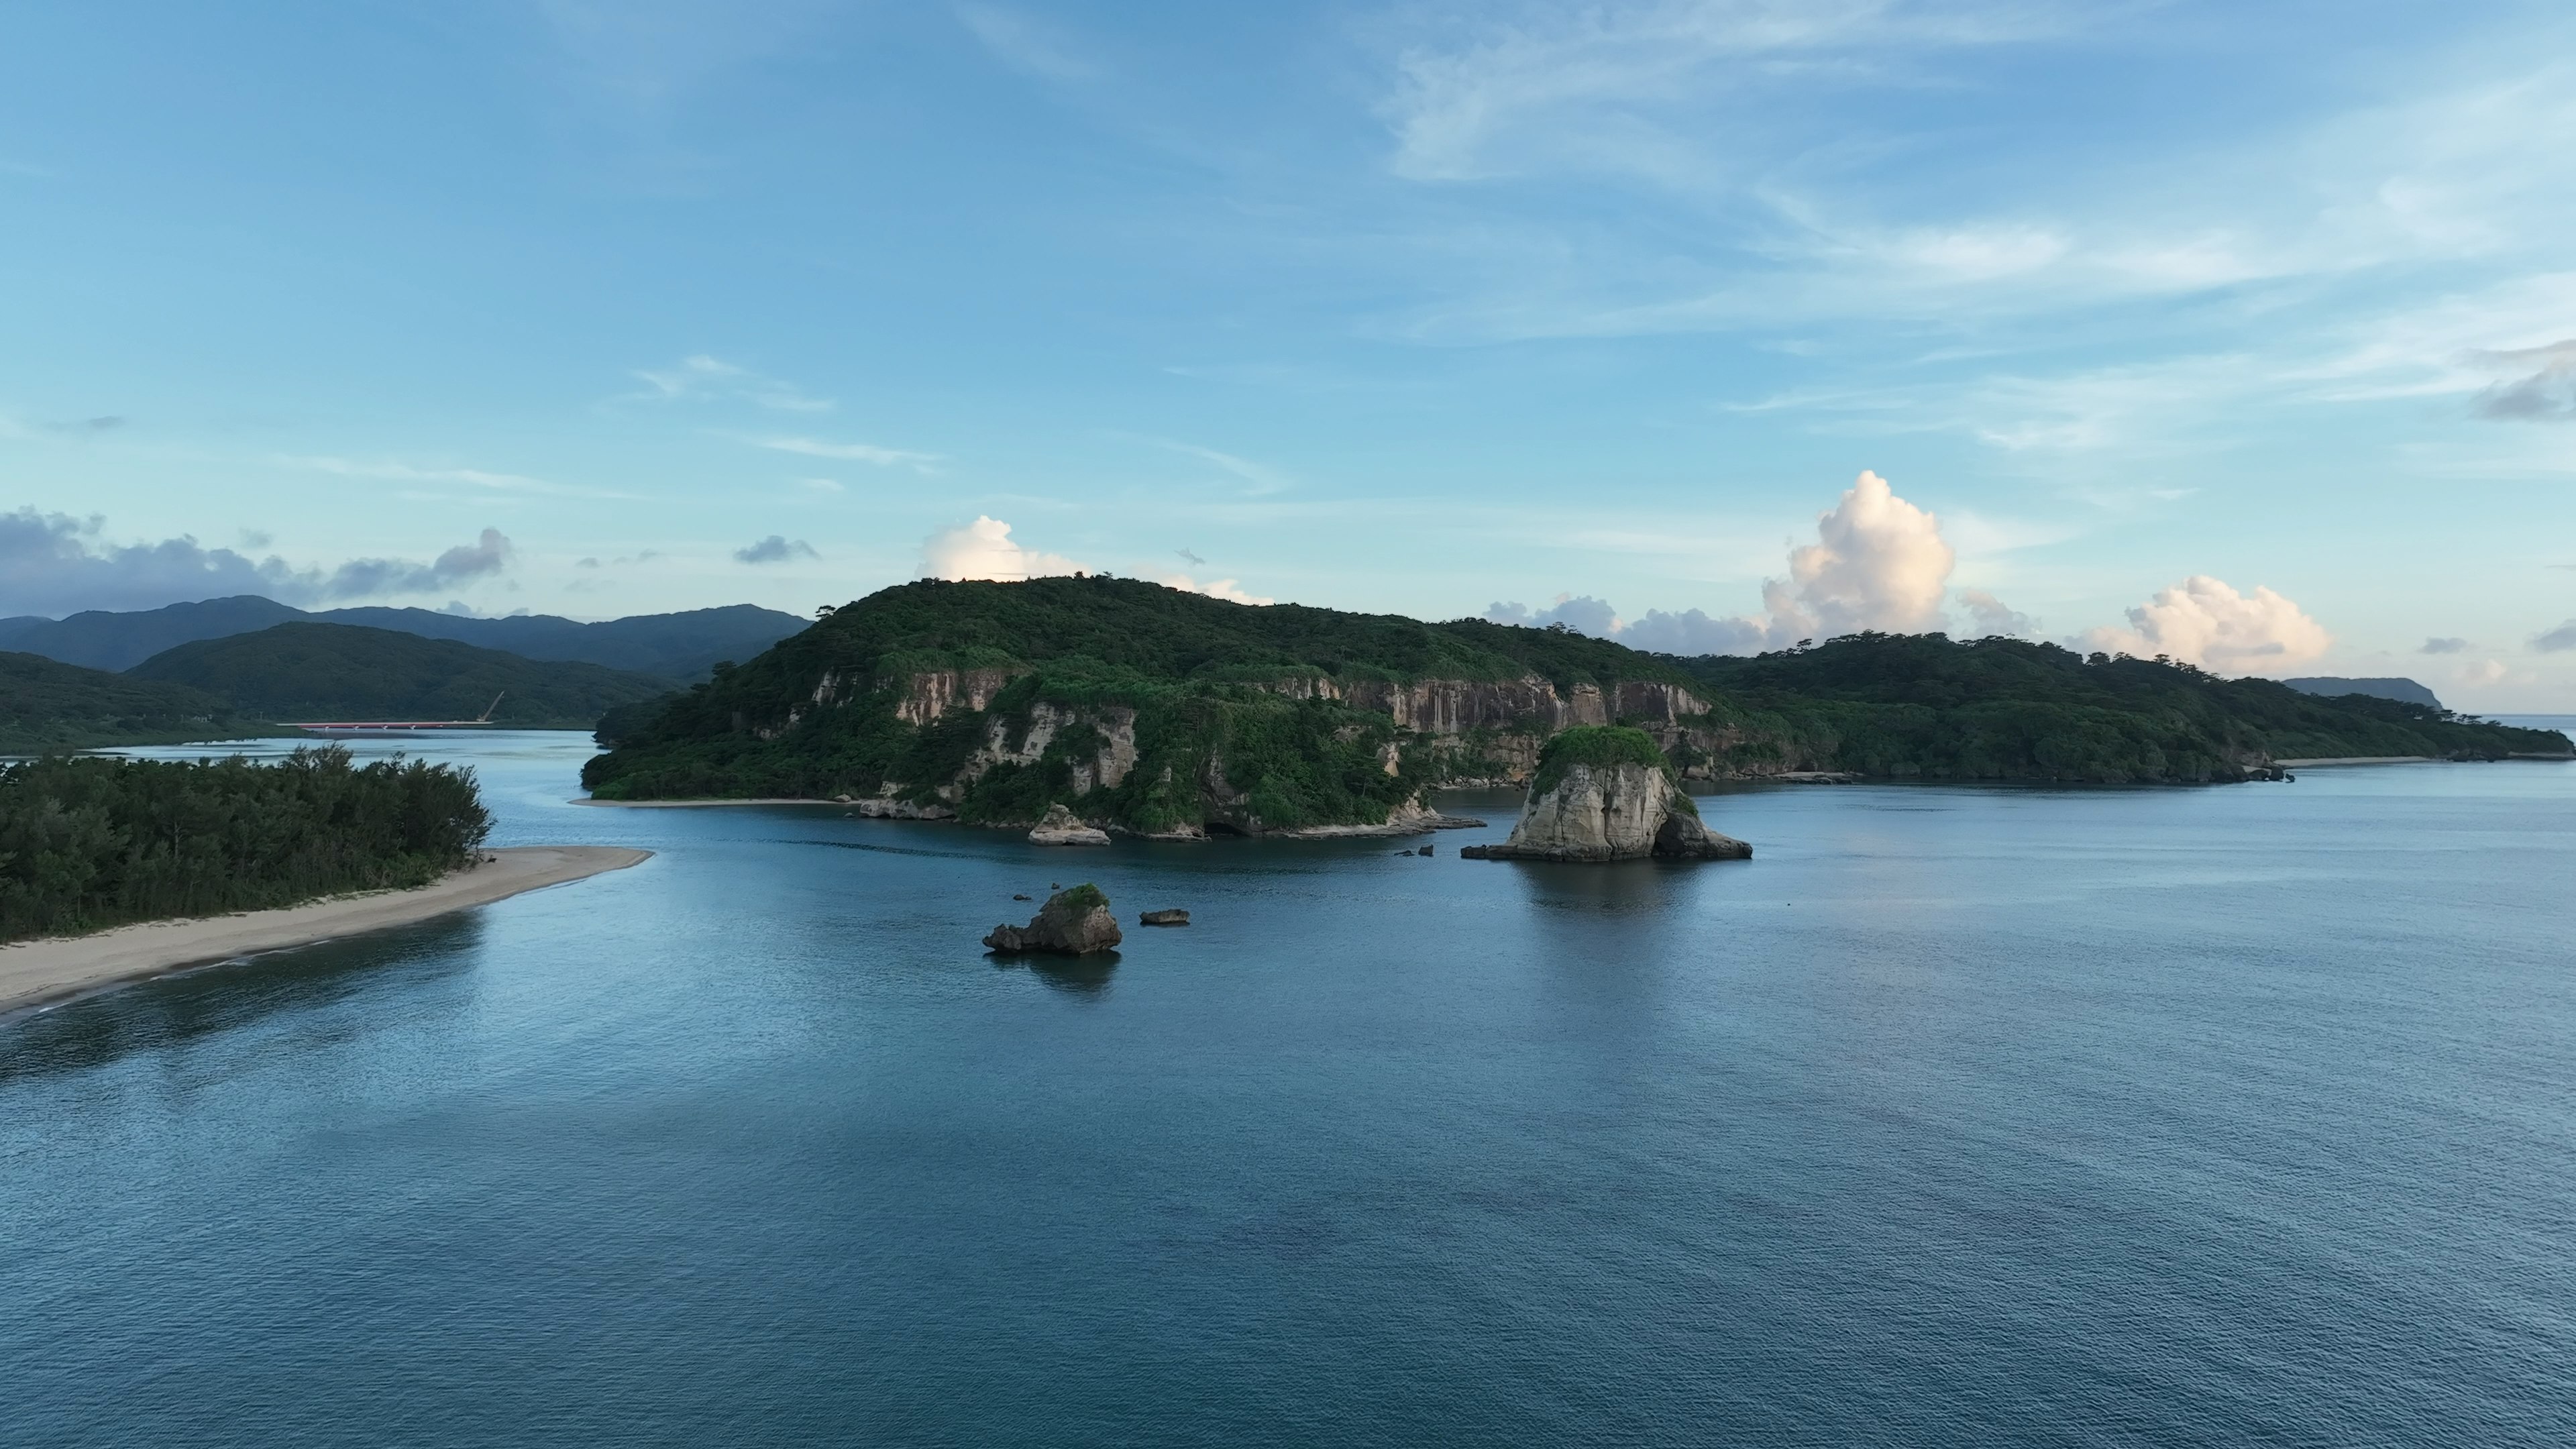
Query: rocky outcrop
{"x":1164,"y":918}
{"x":1612,"y":812}
{"x":1063,"y":827}
{"x":1073,"y":922}
{"x":886,"y":807}
{"x":1410,"y":818}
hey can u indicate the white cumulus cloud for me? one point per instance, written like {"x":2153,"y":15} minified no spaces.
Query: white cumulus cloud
{"x":1992,"y":616}
{"x":984,"y":550}
{"x":1583,"y":615}
{"x":1230,"y":590}
{"x":2205,"y":622}
{"x":1878,"y":563}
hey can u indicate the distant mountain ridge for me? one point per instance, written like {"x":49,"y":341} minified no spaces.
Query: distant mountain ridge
{"x":304,"y":672}
{"x":2405,"y":691}
{"x":682,"y":646}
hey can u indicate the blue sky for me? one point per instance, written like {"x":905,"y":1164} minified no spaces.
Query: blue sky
{"x":2246,"y":333}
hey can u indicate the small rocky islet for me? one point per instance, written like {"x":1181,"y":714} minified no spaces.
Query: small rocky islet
{"x":1073,"y":922}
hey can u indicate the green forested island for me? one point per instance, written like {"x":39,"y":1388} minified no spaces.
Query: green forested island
{"x":345,"y":672}
{"x":1165,"y":712}
{"x":87,"y":843}
{"x":48,"y":706}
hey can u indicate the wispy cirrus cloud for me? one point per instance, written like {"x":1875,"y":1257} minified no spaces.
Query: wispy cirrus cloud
{"x":1508,"y":90}
{"x":1260,"y":479}
{"x":1771,"y":158}
{"x":704,"y":378}
{"x":1027,"y":43}
{"x":395,"y":471}
{"x":851,"y":452}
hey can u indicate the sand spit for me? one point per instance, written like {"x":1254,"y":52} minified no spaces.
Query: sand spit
{"x":698,"y":804}
{"x":35,"y":972}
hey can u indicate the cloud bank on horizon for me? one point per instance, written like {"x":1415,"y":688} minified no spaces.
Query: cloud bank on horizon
{"x":1880,"y":564}
{"x":53,"y":565}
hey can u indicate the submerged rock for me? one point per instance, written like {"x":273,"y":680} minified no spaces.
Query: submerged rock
{"x":1600,"y":795}
{"x":1074,"y":922}
{"x":1063,"y":827}
{"x":1164,"y":918}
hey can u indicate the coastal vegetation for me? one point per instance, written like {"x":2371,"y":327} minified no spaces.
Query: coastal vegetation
{"x":46,"y":706}
{"x":301,"y":671}
{"x":91,"y":842}
{"x":1601,"y":747}
{"x":1161,"y":711}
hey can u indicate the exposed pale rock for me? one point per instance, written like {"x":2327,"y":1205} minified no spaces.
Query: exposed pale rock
{"x":1164,"y":918}
{"x":883,"y":807}
{"x":1063,"y":827}
{"x":1612,"y":812}
{"x":1073,"y":922}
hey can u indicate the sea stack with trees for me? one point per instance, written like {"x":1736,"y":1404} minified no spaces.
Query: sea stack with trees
{"x":1604,"y":793}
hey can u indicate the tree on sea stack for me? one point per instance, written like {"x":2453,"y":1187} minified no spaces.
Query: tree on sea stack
{"x":1606,"y":792}
{"x":1074,"y":922}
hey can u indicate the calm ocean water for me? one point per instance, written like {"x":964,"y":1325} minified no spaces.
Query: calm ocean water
{"x":1956,"y":1117}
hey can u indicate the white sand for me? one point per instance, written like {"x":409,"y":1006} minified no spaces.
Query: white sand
{"x":32,"y":972}
{"x":697,"y":804}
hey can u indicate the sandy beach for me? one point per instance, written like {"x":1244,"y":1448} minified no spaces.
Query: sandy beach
{"x":35,"y":972}
{"x":697,"y":804}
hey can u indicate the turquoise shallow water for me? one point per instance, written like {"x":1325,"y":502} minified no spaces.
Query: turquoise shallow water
{"x":1957,"y":1116}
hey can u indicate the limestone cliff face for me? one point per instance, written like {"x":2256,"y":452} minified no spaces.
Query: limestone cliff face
{"x":932,"y":693}
{"x":1107,"y":766}
{"x":1456,"y":706}
{"x":1617,"y":812}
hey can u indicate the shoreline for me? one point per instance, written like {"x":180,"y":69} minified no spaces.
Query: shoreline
{"x":38,"y":973}
{"x":701,"y":804}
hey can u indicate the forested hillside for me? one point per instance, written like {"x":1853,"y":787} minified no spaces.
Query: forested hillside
{"x":1925,"y":705}
{"x":1164,"y":711}
{"x":340,"y":672}
{"x":49,"y":706}
{"x":91,"y":842}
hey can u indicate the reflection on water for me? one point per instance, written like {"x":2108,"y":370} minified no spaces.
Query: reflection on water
{"x":1082,"y":977}
{"x":411,"y":964}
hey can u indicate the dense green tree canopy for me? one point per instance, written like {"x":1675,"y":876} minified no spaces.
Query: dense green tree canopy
{"x":89,"y":842}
